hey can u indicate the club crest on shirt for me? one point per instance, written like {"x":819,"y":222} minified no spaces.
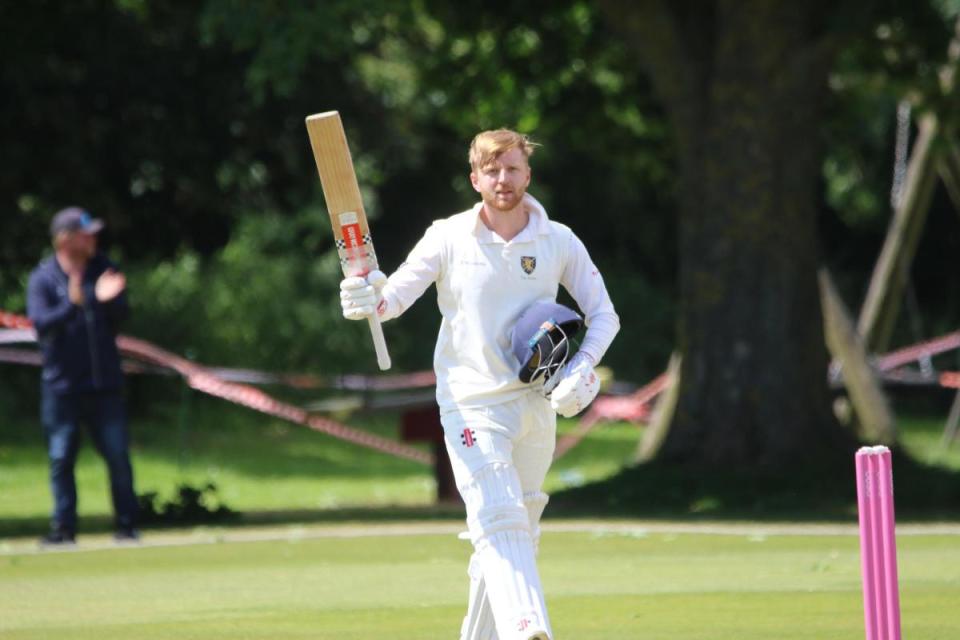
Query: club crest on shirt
{"x":528,"y":264}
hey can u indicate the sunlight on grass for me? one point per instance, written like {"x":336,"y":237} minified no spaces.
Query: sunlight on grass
{"x":601,"y":586}
{"x":923,"y":439}
{"x":260,"y":463}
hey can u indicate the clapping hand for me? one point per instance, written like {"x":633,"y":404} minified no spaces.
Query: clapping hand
{"x":110,"y":284}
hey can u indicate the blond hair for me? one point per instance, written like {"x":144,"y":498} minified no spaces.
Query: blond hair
{"x":487,"y":146}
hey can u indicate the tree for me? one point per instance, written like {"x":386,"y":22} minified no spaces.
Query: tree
{"x":744,"y":84}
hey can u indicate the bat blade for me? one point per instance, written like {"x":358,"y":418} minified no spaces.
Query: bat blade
{"x":345,"y":206}
{"x":342,"y":193}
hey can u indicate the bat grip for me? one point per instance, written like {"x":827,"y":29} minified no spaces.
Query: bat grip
{"x":379,"y":343}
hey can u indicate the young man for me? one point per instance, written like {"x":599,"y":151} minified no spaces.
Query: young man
{"x":492,"y":263}
{"x":76,"y":298}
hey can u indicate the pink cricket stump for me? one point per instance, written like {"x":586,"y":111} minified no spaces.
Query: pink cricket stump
{"x":878,"y":544}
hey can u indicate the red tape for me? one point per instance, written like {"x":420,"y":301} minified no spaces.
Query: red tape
{"x":202,"y":379}
{"x":950,"y":379}
{"x":635,"y":407}
{"x":933,"y":347}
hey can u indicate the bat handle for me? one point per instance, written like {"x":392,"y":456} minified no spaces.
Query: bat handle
{"x":379,"y":343}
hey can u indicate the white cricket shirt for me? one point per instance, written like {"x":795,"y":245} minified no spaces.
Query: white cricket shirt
{"x":483,"y":285}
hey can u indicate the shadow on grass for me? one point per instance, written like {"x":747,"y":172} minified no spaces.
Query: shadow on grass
{"x":825,"y":493}
{"x":35,"y":526}
{"x":653,"y":491}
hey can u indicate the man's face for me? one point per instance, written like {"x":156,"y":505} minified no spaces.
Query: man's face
{"x":502,"y":183}
{"x":79,"y":245}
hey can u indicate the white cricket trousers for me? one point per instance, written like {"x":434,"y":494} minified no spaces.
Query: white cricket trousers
{"x":500,"y":456}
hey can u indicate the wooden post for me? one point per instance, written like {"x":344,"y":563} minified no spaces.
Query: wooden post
{"x":878,"y":315}
{"x":950,"y":171}
{"x":422,"y":424}
{"x":952,"y":424}
{"x":875,"y":419}
{"x":880,"y":308}
{"x":659,"y":426}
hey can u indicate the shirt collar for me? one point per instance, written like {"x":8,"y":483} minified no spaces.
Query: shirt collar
{"x":538,"y":224}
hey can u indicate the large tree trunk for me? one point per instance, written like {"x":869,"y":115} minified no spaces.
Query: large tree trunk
{"x":743,"y":82}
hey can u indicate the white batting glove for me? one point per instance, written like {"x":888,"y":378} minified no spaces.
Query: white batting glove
{"x":360,"y":296}
{"x":579,"y":384}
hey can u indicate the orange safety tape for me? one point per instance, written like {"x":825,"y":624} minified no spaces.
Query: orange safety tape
{"x":201,"y":379}
{"x":950,"y":379}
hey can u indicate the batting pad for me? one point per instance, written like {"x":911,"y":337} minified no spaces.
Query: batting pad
{"x":500,"y":531}
{"x":535,"y":502}
{"x":478,"y":624}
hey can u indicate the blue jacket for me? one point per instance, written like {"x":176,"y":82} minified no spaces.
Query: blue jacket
{"x":78,"y":344}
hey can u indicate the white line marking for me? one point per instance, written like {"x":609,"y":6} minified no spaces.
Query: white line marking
{"x":296,"y":533}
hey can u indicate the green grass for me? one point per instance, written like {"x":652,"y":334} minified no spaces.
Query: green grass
{"x":599,"y":586}
{"x":922,"y":437}
{"x":259,"y":464}
{"x":271,"y":470}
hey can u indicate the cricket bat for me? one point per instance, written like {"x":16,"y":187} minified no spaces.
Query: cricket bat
{"x":342,"y":193}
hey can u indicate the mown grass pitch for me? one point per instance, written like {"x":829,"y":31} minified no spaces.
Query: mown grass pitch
{"x":602,"y":583}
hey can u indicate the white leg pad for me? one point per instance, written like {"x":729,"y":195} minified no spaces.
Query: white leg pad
{"x":478,"y":624}
{"x":500,"y":530}
{"x":535,"y":502}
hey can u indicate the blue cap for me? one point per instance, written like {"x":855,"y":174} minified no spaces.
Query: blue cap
{"x":541,"y":339}
{"x":74,"y":219}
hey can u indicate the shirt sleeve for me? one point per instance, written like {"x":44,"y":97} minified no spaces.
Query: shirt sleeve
{"x":45,"y":315}
{"x":583,"y":280}
{"x":423,"y":267}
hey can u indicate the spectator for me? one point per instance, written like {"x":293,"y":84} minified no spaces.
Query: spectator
{"x":76,"y":298}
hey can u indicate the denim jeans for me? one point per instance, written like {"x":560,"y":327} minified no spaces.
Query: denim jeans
{"x":104,"y":414}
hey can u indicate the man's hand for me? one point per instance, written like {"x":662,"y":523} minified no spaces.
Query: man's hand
{"x":109,"y":285}
{"x":579,"y":384}
{"x":75,"y":287}
{"x":359,"y":297}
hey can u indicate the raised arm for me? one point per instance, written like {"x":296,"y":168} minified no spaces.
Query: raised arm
{"x":423,"y":267}
{"x":110,"y":292}
{"x":359,"y":297}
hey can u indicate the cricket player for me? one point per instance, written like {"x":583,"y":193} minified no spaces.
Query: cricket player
{"x":494,"y":266}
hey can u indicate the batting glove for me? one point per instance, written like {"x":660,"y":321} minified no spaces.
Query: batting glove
{"x":579,"y":384}
{"x":360,"y":296}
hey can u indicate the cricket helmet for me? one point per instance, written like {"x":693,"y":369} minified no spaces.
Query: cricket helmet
{"x":541,"y":339}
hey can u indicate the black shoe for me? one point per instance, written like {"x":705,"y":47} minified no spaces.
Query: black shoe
{"x":58,"y":538}
{"x":126,"y":534}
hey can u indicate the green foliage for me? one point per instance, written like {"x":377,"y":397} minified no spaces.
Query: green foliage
{"x":182,"y":125}
{"x":898,"y":57}
{"x":895,"y":56}
{"x":268,"y":299}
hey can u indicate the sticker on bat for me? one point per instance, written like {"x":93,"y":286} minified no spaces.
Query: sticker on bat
{"x":350,"y":229}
